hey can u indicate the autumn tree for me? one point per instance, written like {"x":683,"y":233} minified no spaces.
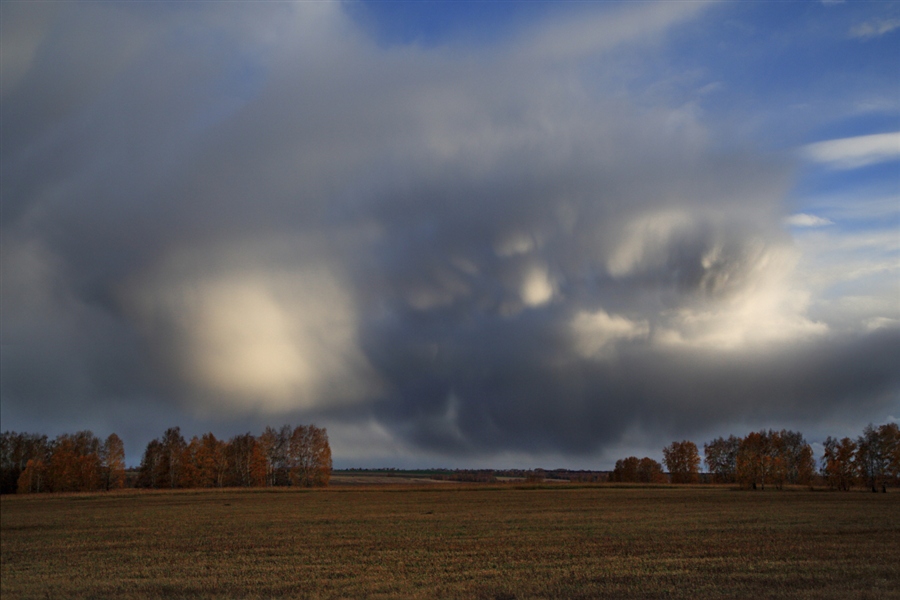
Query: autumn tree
{"x":644,"y":470}
{"x":626,"y":470}
{"x":74,"y":464}
{"x":16,"y":449}
{"x":190,"y":474}
{"x":683,"y":462}
{"x":793,"y":458}
{"x":650,"y":471}
{"x":806,"y":466}
{"x":839,"y":463}
{"x":246,"y":462}
{"x":33,"y":478}
{"x":775,"y":458}
{"x":721,"y":458}
{"x":753,"y":464}
{"x":172,"y":447}
{"x":309,"y":456}
{"x":210,"y":461}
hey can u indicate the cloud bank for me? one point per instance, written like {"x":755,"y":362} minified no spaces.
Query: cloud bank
{"x":239,"y":214}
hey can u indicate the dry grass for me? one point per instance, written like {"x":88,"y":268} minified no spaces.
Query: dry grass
{"x":453,"y":542}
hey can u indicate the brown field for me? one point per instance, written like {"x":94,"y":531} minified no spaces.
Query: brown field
{"x":450,"y":541}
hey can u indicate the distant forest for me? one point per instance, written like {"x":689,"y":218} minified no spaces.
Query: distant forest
{"x":301,"y":456}
{"x":776,"y":458}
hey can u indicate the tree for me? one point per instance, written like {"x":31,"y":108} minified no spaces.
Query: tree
{"x":778,"y":460}
{"x":275,"y":445}
{"x":634,"y":470}
{"x":33,"y":478}
{"x":16,"y":449}
{"x":877,"y":455}
{"x":246,"y":462}
{"x":210,"y":462}
{"x":172,"y":454}
{"x":74,"y":464}
{"x":683,"y":462}
{"x":626,"y":469}
{"x":190,"y":474}
{"x":721,"y":458}
{"x":806,"y":466}
{"x":890,"y":439}
{"x":650,"y":471}
{"x":112,"y":463}
{"x":753,"y":460}
{"x":149,"y":473}
{"x":838,"y":462}
{"x":796,"y":456}
{"x":309,"y":456}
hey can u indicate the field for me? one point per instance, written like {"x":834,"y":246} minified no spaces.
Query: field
{"x":451,"y":541}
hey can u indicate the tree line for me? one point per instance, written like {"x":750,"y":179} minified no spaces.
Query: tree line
{"x":776,"y":458}
{"x":299,"y":456}
{"x":80,"y":462}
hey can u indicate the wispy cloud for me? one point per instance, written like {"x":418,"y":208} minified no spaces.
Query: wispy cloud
{"x":874,"y":29}
{"x":854,"y":152}
{"x":805,"y":220}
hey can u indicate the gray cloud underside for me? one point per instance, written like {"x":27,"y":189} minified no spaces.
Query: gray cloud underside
{"x":483,"y":249}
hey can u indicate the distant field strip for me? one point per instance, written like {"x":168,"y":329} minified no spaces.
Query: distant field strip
{"x":450,"y":541}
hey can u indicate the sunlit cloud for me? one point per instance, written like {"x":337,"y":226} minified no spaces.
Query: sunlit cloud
{"x":806,"y":220}
{"x":537,"y":288}
{"x":765,"y":308}
{"x":248,"y":330}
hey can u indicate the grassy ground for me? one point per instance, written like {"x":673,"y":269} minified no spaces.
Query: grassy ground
{"x":453,"y":542}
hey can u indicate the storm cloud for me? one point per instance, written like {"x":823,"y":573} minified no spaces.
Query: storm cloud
{"x":235,"y":214}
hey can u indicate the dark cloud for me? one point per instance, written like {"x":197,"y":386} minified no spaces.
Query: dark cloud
{"x":469,"y":251}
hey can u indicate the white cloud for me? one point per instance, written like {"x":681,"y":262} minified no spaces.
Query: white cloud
{"x":597,"y":332}
{"x":805,"y":220}
{"x":854,"y":152}
{"x":873,"y":29}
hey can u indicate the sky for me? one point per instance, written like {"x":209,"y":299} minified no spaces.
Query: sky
{"x":455,"y":234}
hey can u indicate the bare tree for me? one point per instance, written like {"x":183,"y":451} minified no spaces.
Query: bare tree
{"x":721,"y":458}
{"x":112,"y":461}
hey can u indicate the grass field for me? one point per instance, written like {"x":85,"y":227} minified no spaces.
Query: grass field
{"x":556,"y":541}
